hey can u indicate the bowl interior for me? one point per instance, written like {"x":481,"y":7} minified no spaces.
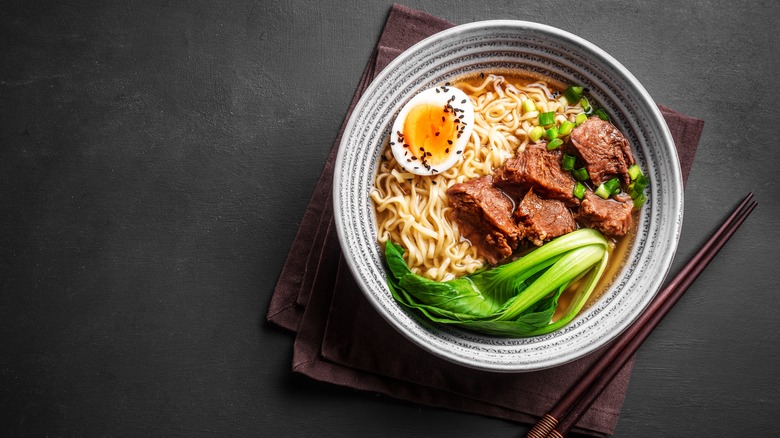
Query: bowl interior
{"x":505,"y":45}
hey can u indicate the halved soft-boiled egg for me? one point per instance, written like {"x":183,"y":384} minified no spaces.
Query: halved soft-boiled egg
{"x":432,"y":130}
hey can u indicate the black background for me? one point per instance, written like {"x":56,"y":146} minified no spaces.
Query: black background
{"x":156,"y":158}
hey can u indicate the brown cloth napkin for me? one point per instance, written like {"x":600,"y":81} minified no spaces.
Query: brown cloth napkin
{"x":341,"y":339}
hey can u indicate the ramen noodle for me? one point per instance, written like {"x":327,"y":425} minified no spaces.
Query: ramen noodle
{"x":412,"y":210}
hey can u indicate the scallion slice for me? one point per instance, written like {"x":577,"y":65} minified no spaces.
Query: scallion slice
{"x":634,"y":171}
{"x":567,"y":162}
{"x":551,"y":133}
{"x":566,"y":128}
{"x":573,"y":94}
{"x":602,"y":191}
{"x":547,"y":119}
{"x":528,"y":106}
{"x":579,"y":190}
{"x":580,"y":119}
{"x":612,"y":185}
{"x":639,"y":201}
{"x":585,"y":104}
{"x":633,"y":192}
{"x":639,"y":184}
{"x":554,"y":144}
{"x":580,"y":174}
{"x":602,"y":114}
{"x":536,"y":133}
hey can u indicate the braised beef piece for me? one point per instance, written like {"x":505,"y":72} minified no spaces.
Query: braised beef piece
{"x":604,"y":150}
{"x":484,"y":216}
{"x":539,"y":169}
{"x":543,"y":219}
{"x":610,"y":216}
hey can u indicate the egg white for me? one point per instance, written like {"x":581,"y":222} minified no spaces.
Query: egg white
{"x":439,"y":96}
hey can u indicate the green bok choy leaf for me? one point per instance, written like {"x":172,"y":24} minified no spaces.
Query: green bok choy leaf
{"x":516,"y":299}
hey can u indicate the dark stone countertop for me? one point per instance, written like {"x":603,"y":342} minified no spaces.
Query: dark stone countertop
{"x":158,"y":156}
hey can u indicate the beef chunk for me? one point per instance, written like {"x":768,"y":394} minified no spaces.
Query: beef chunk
{"x":610,"y":216}
{"x":539,"y":169}
{"x":543,"y":219}
{"x":604,"y":150}
{"x":484,"y":215}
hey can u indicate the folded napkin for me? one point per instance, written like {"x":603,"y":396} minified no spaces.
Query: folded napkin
{"x":342,"y":340}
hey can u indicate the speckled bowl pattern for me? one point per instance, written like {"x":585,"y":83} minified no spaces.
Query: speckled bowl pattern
{"x":508,"y":45}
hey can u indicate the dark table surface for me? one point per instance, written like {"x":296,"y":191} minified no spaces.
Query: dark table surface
{"x":156,"y":160}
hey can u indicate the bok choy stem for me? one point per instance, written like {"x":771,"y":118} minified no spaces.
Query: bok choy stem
{"x":515,"y":299}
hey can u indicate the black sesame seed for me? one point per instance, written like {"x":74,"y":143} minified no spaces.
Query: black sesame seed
{"x":449,"y":141}
{"x":447,"y":150}
{"x":463,"y":101}
{"x":459,"y":152}
{"x":437,"y":134}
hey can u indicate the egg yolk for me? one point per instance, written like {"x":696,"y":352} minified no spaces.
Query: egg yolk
{"x":430,"y":130}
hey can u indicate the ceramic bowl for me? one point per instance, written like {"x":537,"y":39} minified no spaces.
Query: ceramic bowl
{"x":561,"y":56}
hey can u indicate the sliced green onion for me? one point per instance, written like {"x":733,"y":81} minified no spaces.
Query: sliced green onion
{"x":554,"y":144}
{"x":639,"y":201}
{"x":602,"y":191}
{"x":633,"y":192}
{"x":547,"y":119}
{"x":551,"y":133}
{"x":566,"y":128}
{"x":580,"y":119}
{"x":634,"y":171}
{"x":585,"y":104}
{"x":612,"y":185}
{"x":580,"y":174}
{"x":567,"y":162}
{"x":602,"y":114}
{"x":642,"y":181}
{"x":528,"y":106}
{"x":579,"y":190}
{"x":573,"y":94}
{"x":536,"y":133}
{"x":638,"y":186}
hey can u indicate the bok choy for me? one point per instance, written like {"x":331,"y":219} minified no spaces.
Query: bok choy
{"x":517,"y":299}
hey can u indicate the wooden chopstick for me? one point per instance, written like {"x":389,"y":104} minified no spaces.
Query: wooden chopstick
{"x":560,"y":419}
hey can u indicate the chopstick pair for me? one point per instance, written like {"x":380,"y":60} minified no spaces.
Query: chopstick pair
{"x":570,"y":408}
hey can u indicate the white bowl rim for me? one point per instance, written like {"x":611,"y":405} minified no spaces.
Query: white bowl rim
{"x":675,"y":183}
